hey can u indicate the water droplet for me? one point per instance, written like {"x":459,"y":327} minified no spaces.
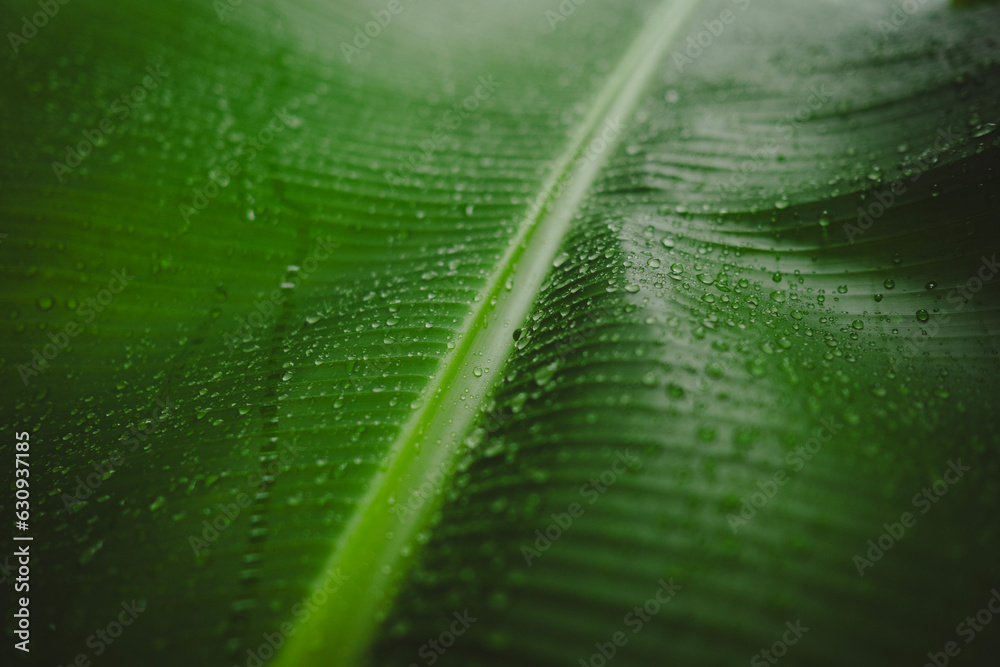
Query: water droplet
{"x":560,"y":260}
{"x":87,"y":555}
{"x":45,"y":302}
{"x":930,"y":285}
{"x":858,"y":324}
{"x":889,"y":283}
{"x":984,"y":129}
{"x":923,"y":315}
{"x":477,"y":371}
{"x":544,"y":374}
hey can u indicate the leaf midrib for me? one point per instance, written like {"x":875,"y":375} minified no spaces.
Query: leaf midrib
{"x":375,"y":549}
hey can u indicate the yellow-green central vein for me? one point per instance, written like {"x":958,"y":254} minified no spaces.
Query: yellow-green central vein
{"x":376,"y":548}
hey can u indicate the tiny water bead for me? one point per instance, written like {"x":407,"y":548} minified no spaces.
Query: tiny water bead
{"x":889,"y":283}
{"x":923,"y":315}
{"x":858,"y":324}
{"x":45,"y":302}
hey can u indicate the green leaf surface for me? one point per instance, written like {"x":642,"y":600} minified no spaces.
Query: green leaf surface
{"x":516,"y":312}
